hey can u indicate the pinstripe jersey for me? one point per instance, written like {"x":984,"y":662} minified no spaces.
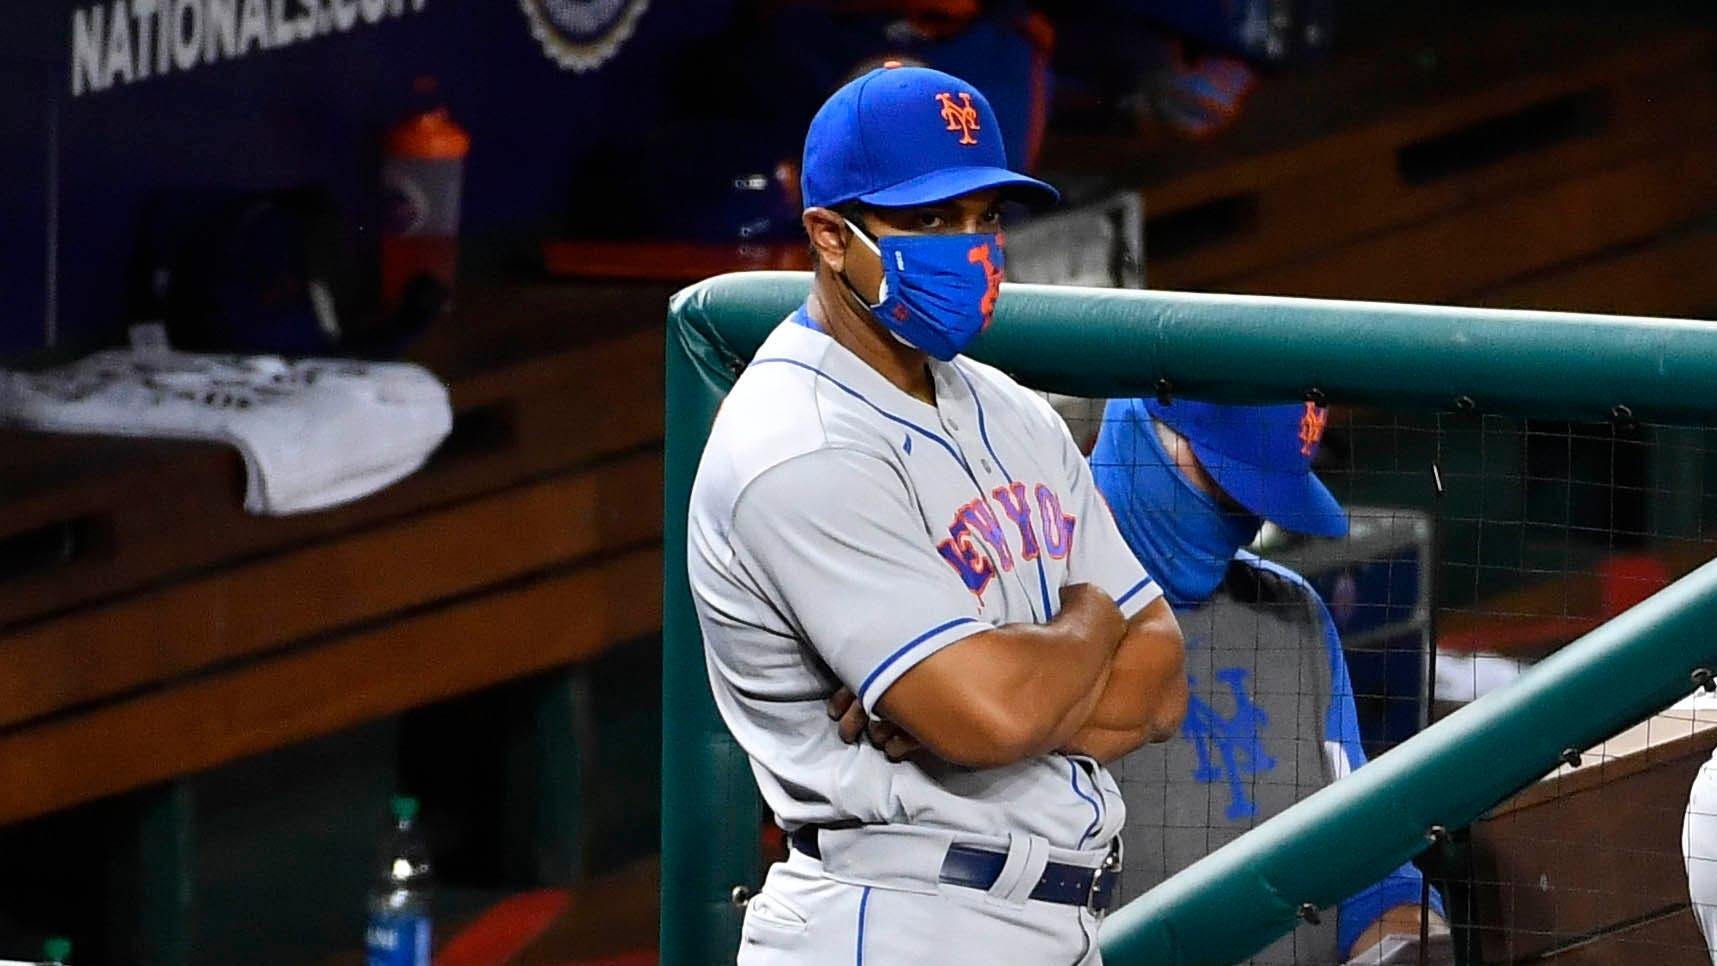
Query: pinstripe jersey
{"x":842,"y":531}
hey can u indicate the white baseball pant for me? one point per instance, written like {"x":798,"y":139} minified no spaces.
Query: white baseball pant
{"x":1699,"y":851}
{"x":873,"y":900}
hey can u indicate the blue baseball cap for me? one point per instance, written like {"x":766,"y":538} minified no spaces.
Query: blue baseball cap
{"x":902,"y":136}
{"x":1262,"y":457}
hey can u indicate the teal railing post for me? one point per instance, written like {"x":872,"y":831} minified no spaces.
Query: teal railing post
{"x":711,"y":816}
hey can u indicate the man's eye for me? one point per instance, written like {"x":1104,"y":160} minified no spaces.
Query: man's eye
{"x":928,"y":221}
{"x":993,"y":216}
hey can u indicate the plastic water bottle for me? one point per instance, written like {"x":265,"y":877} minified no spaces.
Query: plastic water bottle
{"x":399,"y":930}
{"x":423,"y":172}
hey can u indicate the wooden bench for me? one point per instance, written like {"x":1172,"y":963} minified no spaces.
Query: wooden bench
{"x":1585,"y":866}
{"x":1497,"y":160}
{"x":150,"y":629}
{"x":1666,"y":276}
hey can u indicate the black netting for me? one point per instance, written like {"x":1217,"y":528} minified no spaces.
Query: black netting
{"x":1477,"y":545}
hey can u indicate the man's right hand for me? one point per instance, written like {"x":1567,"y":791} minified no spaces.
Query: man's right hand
{"x":853,"y":724}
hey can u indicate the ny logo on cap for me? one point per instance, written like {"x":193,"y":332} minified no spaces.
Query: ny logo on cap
{"x":962,"y":117}
{"x":1312,"y":427}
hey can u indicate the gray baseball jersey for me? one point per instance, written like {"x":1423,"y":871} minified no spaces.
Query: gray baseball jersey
{"x":1254,"y":741}
{"x":842,"y":531}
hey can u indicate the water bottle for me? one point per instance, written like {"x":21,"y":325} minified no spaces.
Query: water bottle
{"x":399,"y":931}
{"x":423,"y":171}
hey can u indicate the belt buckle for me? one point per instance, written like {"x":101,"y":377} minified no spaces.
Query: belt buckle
{"x":1111,"y":866}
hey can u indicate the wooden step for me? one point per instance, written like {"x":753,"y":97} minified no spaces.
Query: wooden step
{"x":323,"y":688}
{"x":1324,"y":118}
{"x":1668,"y":277}
{"x":1455,"y":256}
{"x":1591,"y":855}
{"x":459,"y":550}
{"x":1401,"y":172}
{"x":1476,"y":64}
{"x":1667,"y":938}
{"x":160,"y":511}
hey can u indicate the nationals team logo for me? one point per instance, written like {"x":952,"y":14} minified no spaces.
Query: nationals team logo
{"x":962,"y":117}
{"x":582,"y":35}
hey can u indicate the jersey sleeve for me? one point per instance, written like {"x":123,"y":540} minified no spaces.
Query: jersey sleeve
{"x":1405,"y":885}
{"x":1341,"y":721}
{"x":833,"y":541}
{"x":1100,"y":555}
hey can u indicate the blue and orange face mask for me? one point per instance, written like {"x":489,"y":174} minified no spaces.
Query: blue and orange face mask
{"x":938,"y":291}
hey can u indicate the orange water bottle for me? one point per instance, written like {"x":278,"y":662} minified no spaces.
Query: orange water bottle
{"x":423,"y":167}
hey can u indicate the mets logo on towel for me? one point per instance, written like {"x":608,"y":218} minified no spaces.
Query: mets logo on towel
{"x":582,"y":35}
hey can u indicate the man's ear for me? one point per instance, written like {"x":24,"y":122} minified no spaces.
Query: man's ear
{"x":829,"y":236}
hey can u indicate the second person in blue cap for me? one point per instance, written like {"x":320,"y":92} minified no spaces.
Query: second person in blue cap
{"x":922,"y":623}
{"x":1271,"y":717}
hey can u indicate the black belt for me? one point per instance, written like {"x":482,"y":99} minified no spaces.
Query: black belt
{"x":975,"y":868}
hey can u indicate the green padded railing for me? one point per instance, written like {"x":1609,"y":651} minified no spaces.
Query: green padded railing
{"x":1106,"y":342}
{"x":1240,"y":898}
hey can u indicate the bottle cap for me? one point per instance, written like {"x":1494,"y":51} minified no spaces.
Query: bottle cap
{"x":429,"y":133}
{"x":57,"y":949}
{"x":404,"y":808}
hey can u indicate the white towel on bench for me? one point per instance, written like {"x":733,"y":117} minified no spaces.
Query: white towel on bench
{"x":314,"y":433}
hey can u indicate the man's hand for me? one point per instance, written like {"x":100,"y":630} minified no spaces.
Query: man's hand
{"x":854,"y":724}
{"x":1144,"y":695}
{"x":1092,"y":611}
{"x":1394,"y":938}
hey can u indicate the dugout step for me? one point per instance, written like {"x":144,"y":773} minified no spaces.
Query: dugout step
{"x":1297,"y":178}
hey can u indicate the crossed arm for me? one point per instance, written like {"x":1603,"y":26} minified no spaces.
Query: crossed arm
{"x":1088,"y":682}
{"x":1144,"y":698}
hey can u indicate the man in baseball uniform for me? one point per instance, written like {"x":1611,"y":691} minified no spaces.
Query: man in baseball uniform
{"x":1272,"y":717}
{"x":921,"y":622}
{"x":1699,"y":846}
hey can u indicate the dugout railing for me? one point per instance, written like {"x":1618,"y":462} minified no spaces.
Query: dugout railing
{"x":1103,"y":342}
